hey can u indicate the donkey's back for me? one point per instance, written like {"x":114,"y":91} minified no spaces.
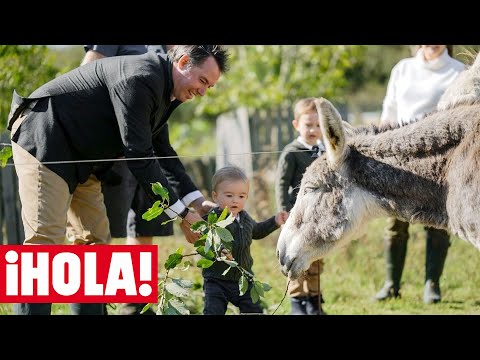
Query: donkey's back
{"x":463,"y":180}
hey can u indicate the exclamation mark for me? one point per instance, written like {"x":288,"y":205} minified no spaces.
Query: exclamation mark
{"x":145,"y":273}
{"x":11,"y":273}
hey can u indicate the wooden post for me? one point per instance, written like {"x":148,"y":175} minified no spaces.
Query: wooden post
{"x":233,"y":137}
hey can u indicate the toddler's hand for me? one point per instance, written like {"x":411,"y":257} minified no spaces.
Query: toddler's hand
{"x":281,"y":217}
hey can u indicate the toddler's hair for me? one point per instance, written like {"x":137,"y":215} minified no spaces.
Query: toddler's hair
{"x":304,"y":106}
{"x":228,"y":173}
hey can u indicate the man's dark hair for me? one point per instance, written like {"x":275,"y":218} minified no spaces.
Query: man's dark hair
{"x":199,"y":53}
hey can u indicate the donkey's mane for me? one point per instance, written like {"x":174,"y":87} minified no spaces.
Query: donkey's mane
{"x":373,"y":129}
{"x":435,"y":133}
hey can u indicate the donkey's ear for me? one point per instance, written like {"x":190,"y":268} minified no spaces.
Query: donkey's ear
{"x":333,"y":133}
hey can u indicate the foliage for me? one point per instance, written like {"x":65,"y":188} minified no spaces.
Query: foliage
{"x":5,"y":154}
{"x":68,"y":58}
{"x":213,"y":245}
{"x":376,"y":65}
{"x":266,"y":76}
{"x":192,"y":136}
{"x":24,"y":68}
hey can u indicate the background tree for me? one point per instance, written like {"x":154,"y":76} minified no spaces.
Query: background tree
{"x":266,"y":76}
{"x":24,"y":68}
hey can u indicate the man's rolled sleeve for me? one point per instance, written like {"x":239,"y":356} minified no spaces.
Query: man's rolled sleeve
{"x":175,"y":209}
{"x":190,"y":198}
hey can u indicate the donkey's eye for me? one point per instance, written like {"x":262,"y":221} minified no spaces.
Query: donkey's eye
{"x":320,"y":188}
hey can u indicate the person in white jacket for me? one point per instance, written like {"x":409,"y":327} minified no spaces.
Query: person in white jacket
{"x":414,"y":89}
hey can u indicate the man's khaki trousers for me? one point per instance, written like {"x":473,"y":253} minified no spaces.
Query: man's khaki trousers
{"x":47,"y":204}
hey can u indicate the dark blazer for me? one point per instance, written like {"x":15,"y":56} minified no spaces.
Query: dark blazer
{"x":173,"y":167}
{"x":292,"y":164}
{"x":108,"y":108}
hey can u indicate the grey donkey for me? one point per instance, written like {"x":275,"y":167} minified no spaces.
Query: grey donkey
{"x":427,"y":172}
{"x":465,"y":90}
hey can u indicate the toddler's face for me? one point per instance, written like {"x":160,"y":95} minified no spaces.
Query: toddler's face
{"x":232,"y":194}
{"x":309,"y":128}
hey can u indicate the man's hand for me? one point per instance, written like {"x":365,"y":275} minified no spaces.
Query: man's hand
{"x":190,"y":219}
{"x":202,"y":206}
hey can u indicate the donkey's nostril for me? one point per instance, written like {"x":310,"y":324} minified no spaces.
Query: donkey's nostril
{"x":289,"y":263}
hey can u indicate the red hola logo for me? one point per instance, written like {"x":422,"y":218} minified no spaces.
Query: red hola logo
{"x":78,"y":274}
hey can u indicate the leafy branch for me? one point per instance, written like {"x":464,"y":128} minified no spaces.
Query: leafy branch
{"x":5,"y":154}
{"x":214,"y":245}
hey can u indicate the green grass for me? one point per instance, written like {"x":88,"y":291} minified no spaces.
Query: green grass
{"x":351,"y":277}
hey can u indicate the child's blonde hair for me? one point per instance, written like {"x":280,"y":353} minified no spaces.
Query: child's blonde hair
{"x":304,"y":106}
{"x":228,"y":173}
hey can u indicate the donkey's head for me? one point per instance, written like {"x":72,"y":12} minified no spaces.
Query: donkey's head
{"x":330,"y":208}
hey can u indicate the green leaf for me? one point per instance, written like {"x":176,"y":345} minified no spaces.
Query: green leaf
{"x":173,"y":260}
{"x":158,"y":189}
{"x":145,"y":308}
{"x":179,"y":307}
{"x":266,"y":287}
{"x":258,"y":288}
{"x":208,"y":241}
{"x":197,"y":285}
{"x":228,"y":246}
{"x":223,"y":215}
{"x":186,"y":284}
{"x":199,"y":242}
{"x":204,"y":263}
{"x":226,"y":271}
{"x":5,"y":154}
{"x":200,"y":226}
{"x":179,"y":250}
{"x":212,"y":218}
{"x":168,"y":295}
{"x":176,"y":290}
{"x":153,"y":212}
{"x":254,"y":295}
{"x":186,"y":266}
{"x":209,"y":255}
{"x":217,"y":242}
{"x":224,"y":234}
{"x":169,"y":309}
{"x":224,"y":223}
{"x":243,"y":285}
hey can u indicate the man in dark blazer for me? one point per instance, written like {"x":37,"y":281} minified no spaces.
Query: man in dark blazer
{"x":124,"y":198}
{"x":103,"y":110}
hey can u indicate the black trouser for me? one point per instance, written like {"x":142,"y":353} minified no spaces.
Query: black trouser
{"x":218,"y":293}
{"x":46,"y":309}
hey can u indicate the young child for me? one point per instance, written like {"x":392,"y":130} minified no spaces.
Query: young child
{"x":230,"y":189}
{"x":305,"y":293}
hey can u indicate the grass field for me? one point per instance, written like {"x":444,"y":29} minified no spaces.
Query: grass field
{"x":351,"y":277}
